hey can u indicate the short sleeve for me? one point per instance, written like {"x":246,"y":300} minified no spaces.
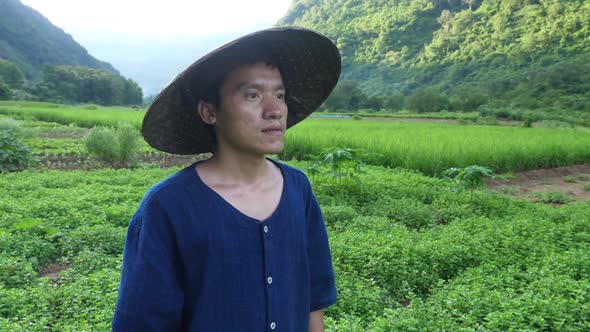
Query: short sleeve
{"x":322,"y":280}
{"x":150,"y":296}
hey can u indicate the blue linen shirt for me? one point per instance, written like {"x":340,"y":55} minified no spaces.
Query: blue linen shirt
{"x":193,"y":262}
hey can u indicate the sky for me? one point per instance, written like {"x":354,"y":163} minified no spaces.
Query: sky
{"x":152,"y":41}
{"x":160,"y":19}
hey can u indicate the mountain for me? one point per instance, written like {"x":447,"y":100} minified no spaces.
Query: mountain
{"x":31,"y":41}
{"x":513,"y":53}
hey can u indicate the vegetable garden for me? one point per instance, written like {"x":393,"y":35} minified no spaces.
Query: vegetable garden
{"x":411,"y":252}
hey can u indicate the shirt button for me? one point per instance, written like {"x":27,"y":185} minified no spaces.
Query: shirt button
{"x":269,"y":280}
{"x":266,"y":229}
{"x":273,"y":325}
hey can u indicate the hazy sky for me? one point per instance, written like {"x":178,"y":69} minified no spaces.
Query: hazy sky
{"x":152,"y":41}
{"x":161,"y":19}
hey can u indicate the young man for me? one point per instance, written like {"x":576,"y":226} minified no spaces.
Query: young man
{"x":236,"y":242}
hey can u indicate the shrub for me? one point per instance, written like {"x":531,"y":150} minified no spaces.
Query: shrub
{"x":587,"y":187}
{"x":113,"y":145}
{"x":14,"y":155}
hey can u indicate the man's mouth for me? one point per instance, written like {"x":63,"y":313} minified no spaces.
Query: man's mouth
{"x":272,"y":129}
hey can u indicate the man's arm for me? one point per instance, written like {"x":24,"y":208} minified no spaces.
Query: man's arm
{"x":316,"y":321}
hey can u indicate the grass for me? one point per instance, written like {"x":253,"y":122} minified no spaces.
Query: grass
{"x":82,"y":115}
{"x":432,"y":148}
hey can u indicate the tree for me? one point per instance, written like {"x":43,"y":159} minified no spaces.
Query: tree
{"x":11,"y":74}
{"x":469,"y":2}
{"x":347,"y":95}
{"x":428,"y":100}
{"x":445,"y":20}
{"x":394,"y":102}
{"x":5,"y":92}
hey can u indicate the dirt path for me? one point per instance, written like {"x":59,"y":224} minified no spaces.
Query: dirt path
{"x":569,"y":181}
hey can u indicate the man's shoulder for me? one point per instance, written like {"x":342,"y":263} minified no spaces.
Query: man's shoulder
{"x":170,"y":187}
{"x":294,"y":175}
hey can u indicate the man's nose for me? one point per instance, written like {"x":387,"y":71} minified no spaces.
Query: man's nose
{"x":273,"y":108}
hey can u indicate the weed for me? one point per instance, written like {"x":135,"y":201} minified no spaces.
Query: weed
{"x":552,"y":196}
{"x":569,"y":179}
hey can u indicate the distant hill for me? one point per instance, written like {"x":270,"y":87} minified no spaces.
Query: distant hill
{"x":30,"y":40}
{"x":513,"y":53}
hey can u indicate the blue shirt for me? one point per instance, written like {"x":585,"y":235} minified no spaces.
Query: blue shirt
{"x":193,"y":262}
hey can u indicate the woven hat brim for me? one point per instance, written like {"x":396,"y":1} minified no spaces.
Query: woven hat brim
{"x":308,"y":61}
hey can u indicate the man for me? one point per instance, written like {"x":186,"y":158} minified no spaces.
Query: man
{"x":236,"y":242}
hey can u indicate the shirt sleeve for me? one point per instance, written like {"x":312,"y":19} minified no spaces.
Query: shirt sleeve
{"x":322,"y":281}
{"x":150,"y":296}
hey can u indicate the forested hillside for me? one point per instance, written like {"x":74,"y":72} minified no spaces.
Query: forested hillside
{"x":503,"y":53}
{"x":28,"y":39}
{"x":39,"y":61}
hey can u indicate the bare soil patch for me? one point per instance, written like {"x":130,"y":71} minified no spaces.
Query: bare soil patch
{"x":53,"y":271}
{"x":526,"y":183}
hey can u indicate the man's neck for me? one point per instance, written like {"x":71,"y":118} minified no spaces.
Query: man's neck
{"x":239,"y":168}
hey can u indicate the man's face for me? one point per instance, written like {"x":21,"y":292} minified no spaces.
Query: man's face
{"x":252,"y":113}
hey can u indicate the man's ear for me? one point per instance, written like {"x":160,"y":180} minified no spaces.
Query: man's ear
{"x":206,"y":112}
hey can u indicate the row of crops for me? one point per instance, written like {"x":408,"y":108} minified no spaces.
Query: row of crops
{"x":428,"y":147}
{"x":410,"y":253}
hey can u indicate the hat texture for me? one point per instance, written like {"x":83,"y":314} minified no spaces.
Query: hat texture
{"x":309,"y":64}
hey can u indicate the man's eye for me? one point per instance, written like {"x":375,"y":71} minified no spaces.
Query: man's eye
{"x":252,"y":95}
{"x":281,"y":96}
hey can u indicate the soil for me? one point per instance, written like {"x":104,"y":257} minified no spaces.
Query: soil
{"x":52,"y":271}
{"x":74,"y":162}
{"x":526,"y":183}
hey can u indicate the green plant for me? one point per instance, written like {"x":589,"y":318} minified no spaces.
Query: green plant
{"x":113,"y":145}
{"x":357,"y":117}
{"x":340,"y":164}
{"x":587,"y":187}
{"x":552,"y":196}
{"x":569,"y":179}
{"x":470,"y":177}
{"x":14,"y":155}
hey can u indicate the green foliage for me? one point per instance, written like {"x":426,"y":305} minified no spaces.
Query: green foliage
{"x":587,"y":187}
{"x":11,"y":74}
{"x":470,"y":177}
{"x":14,"y":155}
{"x":509,"y":53}
{"x":346,"y":96}
{"x":569,"y":179}
{"x":394,"y":102}
{"x":86,"y":85}
{"x":5,"y":92}
{"x":551,"y":196}
{"x":15,"y":273}
{"x":427,"y":100}
{"x":498,"y":264}
{"x":340,"y":164}
{"x":113,"y":145}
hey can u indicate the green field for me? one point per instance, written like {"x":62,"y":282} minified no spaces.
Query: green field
{"x":428,"y":147}
{"x":410,"y":252}
{"x":432,"y":148}
{"x":83,"y":116}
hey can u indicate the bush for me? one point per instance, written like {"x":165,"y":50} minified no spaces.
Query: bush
{"x":14,"y":155}
{"x":428,"y":100}
{"x":113,"y":145}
